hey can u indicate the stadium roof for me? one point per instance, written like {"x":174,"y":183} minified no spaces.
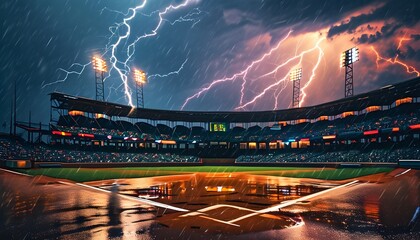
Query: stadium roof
{"x":381,"y":97}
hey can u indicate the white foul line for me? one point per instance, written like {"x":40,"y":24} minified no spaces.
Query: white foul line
{"x":291,"y":202}
{"x":145,"y":201}
{"x":406,"y":171}
{"x":231,"y":222}
{"x":220,"y":221}
{"x":18,"y":173}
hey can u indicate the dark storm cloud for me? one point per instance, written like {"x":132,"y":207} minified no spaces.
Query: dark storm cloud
{"x":411,"y":54}
{"x":415,"y":37}
{"x":39,"y":37}
{"x":386,"y":31}
{"x":406,"y":13}
{"x":301,"y":15}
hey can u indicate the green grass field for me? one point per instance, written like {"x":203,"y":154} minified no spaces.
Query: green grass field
{"x":89,"y":174}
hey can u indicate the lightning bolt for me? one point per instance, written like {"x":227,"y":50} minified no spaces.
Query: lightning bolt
{"x":114,"y":60}
{"x":278,"y":83}
{"x":125,"y":69}
{"x":285,"y":77}
{"x":312,"y":77}
{"x":170,"y":73}
{"x":235,"y":76}
{"x":67,"y":73}
{"x":401,"y":40}
{"x":120,"y":42}
{"x":193,"y":16}
{"x":277,"y":95}
{"x":395,"y":60}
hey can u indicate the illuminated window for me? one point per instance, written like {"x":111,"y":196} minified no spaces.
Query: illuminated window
{"x":281,"y":145}
{"x":99,"y":115}
{"x":322,"y":118}
{"x":283,"y":123}
{"x":346,"y":114}
{"x":373,"y":109}
{"x":301,"y":121}
{"x":76,"y":113}
{"x":403,"y":100}
{"x":304,"y":143}
{"x":252,"y":145}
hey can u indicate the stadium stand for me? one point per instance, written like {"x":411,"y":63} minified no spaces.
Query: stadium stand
{"x":12,"y":148}
{"x":378,"y":126}
{"x":371,"y":156}
{"x":400,"y":117}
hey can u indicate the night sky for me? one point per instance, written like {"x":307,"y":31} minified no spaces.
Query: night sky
{"x":201,"y":42}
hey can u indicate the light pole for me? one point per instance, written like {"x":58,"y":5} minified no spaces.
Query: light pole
{"x":140,"y":79}
{"x":349,"y":57}
{"x":295,"y":76}
{"x":100,"y":68}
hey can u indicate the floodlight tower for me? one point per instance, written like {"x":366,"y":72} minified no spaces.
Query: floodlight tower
{"x":349,"y":57}
{"x":100,"y":68}
{"x":140,"y":79}
{"x":295,"y":76}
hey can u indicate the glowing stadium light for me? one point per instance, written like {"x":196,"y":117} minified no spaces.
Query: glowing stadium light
{"x":296,"y":74}
{"x":349,"y":56}
{"x":140,"y":76}
{"x":99,"y":64}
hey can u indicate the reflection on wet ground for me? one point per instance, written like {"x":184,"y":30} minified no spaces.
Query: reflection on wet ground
{"x":41,"y":208}
{"x":199,"y":190}
{"x":377,"y":207}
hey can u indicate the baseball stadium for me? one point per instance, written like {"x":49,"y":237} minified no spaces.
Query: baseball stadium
{"x":188,"y":131}
{"x":207,"y":174}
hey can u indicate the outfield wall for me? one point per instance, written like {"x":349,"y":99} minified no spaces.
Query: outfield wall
{"x":409,"y":163}
{"x":142,"y":164}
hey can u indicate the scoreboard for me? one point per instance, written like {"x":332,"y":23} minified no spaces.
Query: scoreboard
{"x":219,"y":127}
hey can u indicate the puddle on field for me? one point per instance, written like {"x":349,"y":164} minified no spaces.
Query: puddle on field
{"x":221,"y":206}
{"x":195,"y":191}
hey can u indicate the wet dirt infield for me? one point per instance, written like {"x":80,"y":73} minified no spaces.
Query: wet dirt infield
{"x":211,"y":206}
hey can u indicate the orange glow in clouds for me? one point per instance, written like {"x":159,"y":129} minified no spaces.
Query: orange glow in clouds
{"x":409,"y":69}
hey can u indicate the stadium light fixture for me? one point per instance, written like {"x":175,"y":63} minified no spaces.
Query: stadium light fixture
{"x":349,"y":56}
{"x":99,"y":64}
{"x":347,"y":59}
{"x":295,"y":77}
{"x":140,"y":78}
{"x":100,"y":67}
{"x":296,"y":74}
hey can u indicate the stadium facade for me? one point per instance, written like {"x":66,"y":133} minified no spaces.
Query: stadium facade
{"x":389,"y":114}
